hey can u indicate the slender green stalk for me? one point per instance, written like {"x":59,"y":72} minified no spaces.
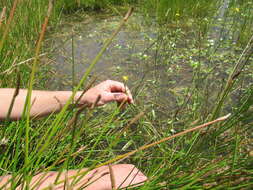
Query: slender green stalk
{"x":144,"y":147}
{"x":60,"y":116}
{"x":242,"y":61}
{"x":28,"y":105}
{"x":120,"y":157}
{"x":235,"y":155}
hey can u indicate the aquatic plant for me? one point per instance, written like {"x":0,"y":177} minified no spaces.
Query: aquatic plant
{"x":218,"y":81}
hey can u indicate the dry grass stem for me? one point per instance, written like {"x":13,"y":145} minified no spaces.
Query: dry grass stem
{"x":11,"y":16}
{"x":127,"y":178}
{"x":144,"y":147}
{"x":85,"y":90}
{"x":96,"y":102}
{"x":2,"y":16}
{"x":72,"y":155}
{"x":16,"y":92}
{"x":112,"y":177}
{"x":28,"y":105}
{"x":129,"y":13}
{"x":13,"y":66}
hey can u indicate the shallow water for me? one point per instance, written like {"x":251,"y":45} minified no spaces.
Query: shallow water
{"x":159,"y":79}
{"x":129,"y":55}
{"x":121,"y":57}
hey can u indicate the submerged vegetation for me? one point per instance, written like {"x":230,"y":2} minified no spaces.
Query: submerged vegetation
{"x":196,"y":67}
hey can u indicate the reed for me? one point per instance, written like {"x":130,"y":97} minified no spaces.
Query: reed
{"x":28,"y":104}
{"x":237,"y":70}
{"x":8,"y":24}
{"x":148,"y":131}
{"x":144,"y":147}
{"x":16,"y":92}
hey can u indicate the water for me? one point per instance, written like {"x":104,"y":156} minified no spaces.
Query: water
{"x":159,"y":71}
{"x":131,"y":54}
{"x":123,"y":57}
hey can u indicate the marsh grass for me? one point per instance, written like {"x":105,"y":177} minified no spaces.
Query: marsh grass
{"x":73,"y":139}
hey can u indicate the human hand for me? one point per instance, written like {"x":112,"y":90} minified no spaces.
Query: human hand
{"x":109,"y":91}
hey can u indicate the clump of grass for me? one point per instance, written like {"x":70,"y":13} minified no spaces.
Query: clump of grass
{"x":77,"y":138}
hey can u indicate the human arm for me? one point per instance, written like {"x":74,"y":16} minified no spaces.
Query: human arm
{"x":47,"y":102}
{"x":97,"y":179}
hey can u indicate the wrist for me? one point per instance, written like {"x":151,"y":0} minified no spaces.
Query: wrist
{"x":79,"y":98}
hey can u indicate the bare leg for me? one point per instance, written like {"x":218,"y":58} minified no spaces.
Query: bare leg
{"x":97,"y":179}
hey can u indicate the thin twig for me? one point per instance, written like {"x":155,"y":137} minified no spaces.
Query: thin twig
{"x":9,"y":70}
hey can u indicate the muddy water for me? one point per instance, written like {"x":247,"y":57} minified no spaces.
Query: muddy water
{"x":158,"y":73}
{"x":124,"y":56}
{"x":131,"y":54}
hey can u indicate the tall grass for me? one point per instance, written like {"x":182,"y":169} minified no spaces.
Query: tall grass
{"x":73,"y":139}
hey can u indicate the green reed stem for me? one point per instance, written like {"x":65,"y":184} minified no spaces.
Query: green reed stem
{"x":28,"y":105}
{"x":60,"y":116}
{"x":144,"y":147}
{"x":243,"y":59}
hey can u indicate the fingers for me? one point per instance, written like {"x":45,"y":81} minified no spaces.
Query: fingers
{"x":115,"y":86}
{"x":118,"y":97}
{"x":130,"y":97}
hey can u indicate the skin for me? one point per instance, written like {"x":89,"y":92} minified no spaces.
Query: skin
{"x":97,"y":179}
{"x":47,"y":102}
